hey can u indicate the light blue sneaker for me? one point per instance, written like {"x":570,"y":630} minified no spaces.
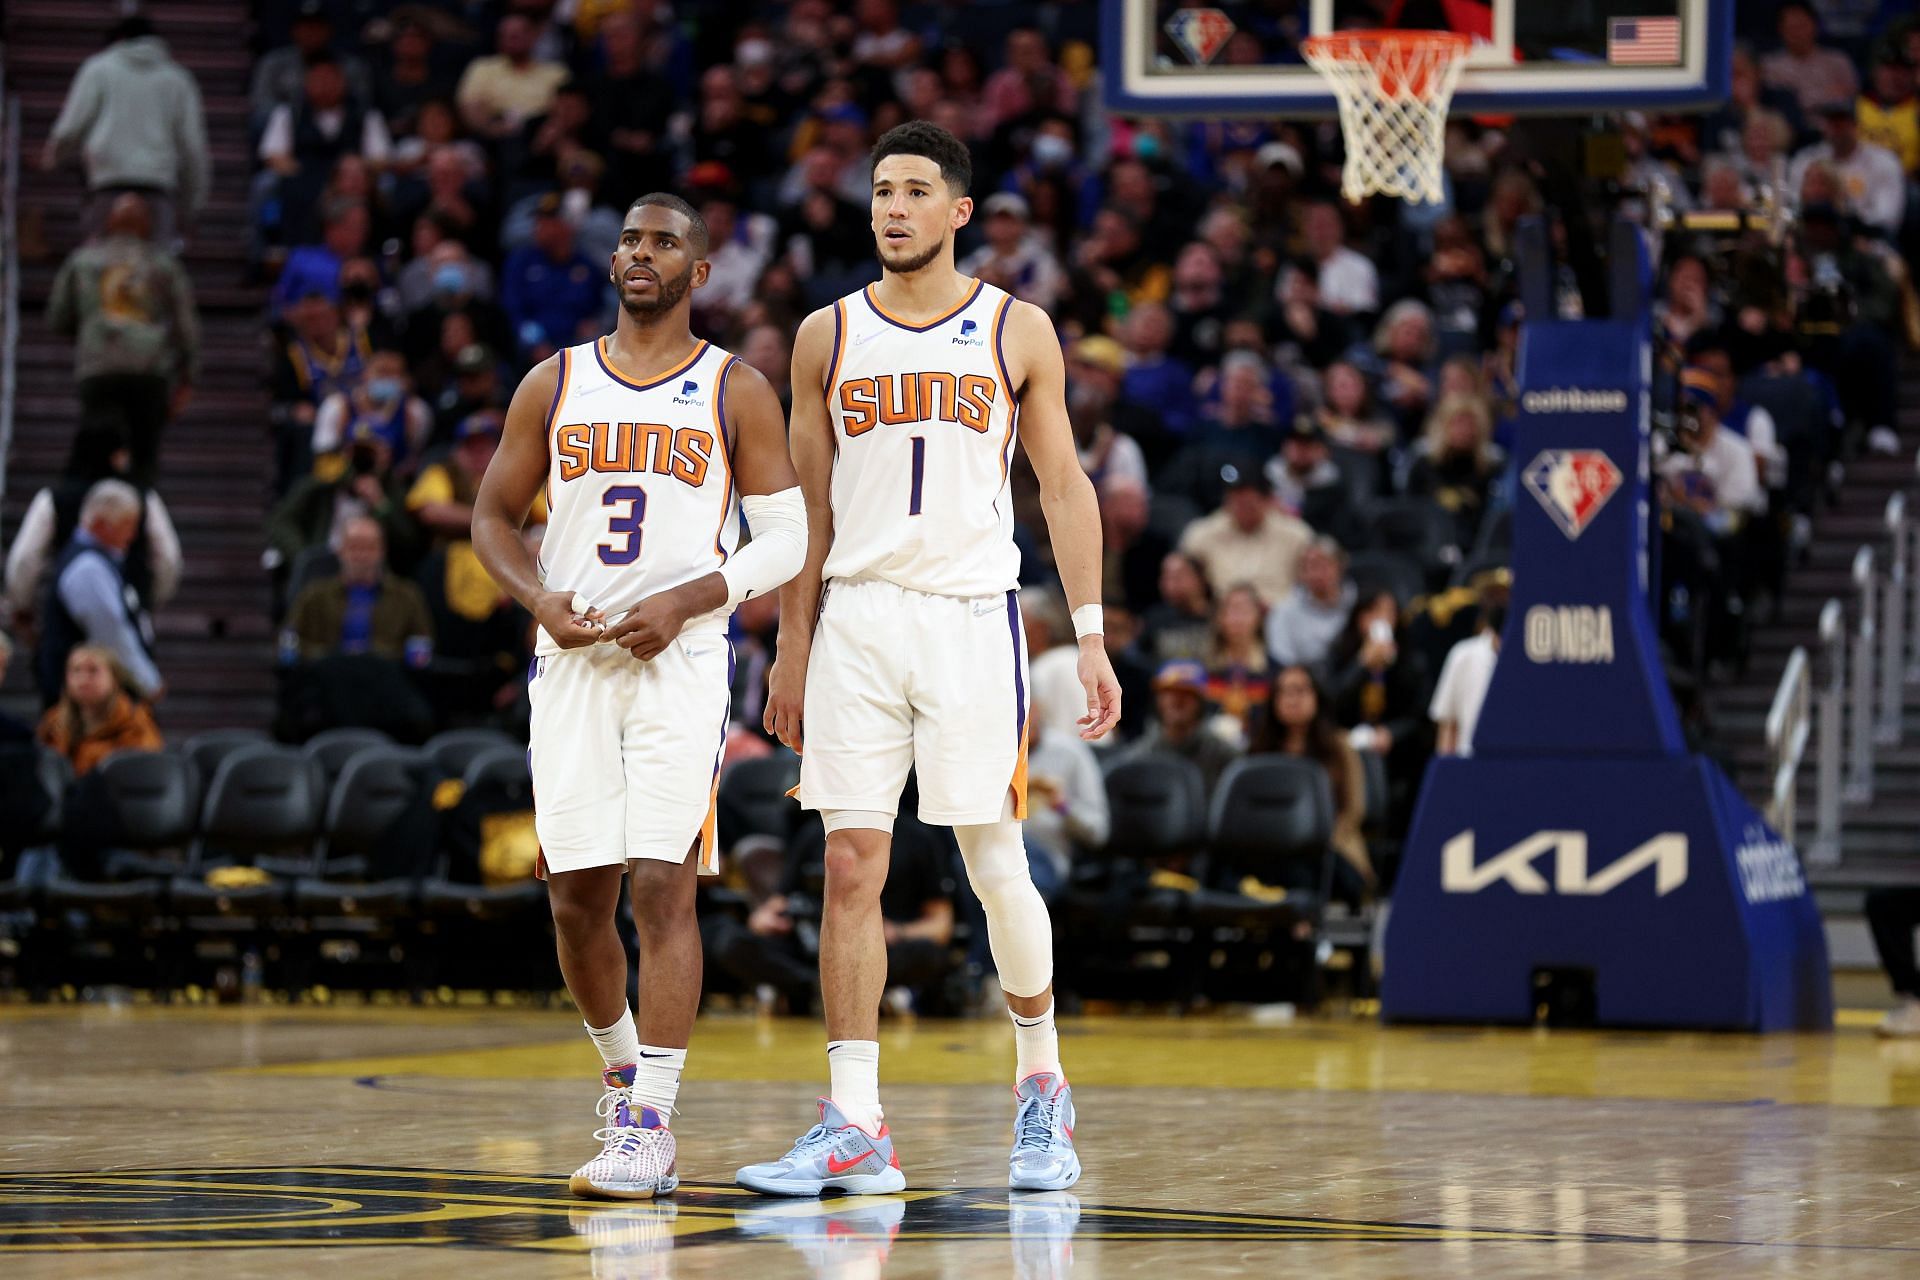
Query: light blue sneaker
{"x":834,"y":1153}
{"x":1043,"y":1157}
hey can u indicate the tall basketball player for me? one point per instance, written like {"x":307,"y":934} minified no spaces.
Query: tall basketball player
{"x":650,"y":443}
{"x":906,"y":400}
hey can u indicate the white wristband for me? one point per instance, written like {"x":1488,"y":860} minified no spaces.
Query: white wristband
{"x":1088,"y":621}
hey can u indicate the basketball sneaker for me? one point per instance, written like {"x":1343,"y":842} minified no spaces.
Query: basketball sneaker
{"x":838,"y":1244}
{"x":1902,"y":1020}
{"x":1043,"y":1157}
{"x":637,"y":1160}
{"x":1042,"y":1224}
{"x":834,"y":1153}
{"x":627,"y":1242}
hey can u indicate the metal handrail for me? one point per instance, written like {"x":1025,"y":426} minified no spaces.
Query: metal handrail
{"x":1789,"y":725}
{"x":1859,"y":788}
{"x":1893,"y":622}
{"x":10,"y":264}
{"x":1825,"y":850}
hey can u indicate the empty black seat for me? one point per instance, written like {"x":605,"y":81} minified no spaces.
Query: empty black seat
{"x":332,"y":748}
{"x":451,"y":752}
{"x":208,"y":749}
{"x":1272,"y":819}
{"x":1388,"y":571}
{"x":505,"y":766}
{"x":262,"y":808}
{"x":377,"y":787}
{"x":753,"y":799}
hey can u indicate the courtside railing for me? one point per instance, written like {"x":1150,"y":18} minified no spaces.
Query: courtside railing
{"x":1852,"y":701}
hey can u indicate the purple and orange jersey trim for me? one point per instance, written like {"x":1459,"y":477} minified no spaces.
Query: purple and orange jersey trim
{"x":936,"y":322}
{"x":600,"y":353}
{"x":1019,"y":783}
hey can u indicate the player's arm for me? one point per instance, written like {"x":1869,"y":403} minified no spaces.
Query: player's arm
{"x":507,"y":491}
{"x":1067,"y":497}
{"x":811,"y":445}
{"x":776,"y":516}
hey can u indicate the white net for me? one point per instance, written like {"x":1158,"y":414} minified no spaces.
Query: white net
{"x":1393,"y":88}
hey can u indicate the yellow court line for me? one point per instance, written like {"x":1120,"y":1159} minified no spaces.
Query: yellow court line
{"x":1299,"y":1224}
{"x":139,"y":1246}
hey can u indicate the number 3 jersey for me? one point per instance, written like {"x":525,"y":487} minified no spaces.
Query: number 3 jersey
{"x":923,"y":423}
{"x":640,"y":488}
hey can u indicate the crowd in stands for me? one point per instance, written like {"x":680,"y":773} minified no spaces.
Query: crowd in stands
{"x":1298,"y":413}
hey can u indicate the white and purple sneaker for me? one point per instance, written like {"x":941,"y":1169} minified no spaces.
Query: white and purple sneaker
{"x":637,"y":1160}
{"x":1043,"y":1157}
{"x":836,"y":1153}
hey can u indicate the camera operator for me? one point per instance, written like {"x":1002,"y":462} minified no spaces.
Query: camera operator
{"x":357,"y":481}
{"x":1711,"y":481}
{"x":1846,"y":311}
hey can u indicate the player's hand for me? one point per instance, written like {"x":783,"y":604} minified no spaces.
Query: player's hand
{"x":570,"y":630}
{"x":1103,"y":689}
{"x":651,"y":625}
{"x":786,"y":692}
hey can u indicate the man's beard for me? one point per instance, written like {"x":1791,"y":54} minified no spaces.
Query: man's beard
{"x":907,"y":266}
{"x":665,"y":297}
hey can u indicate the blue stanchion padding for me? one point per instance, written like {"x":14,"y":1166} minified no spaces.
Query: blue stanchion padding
{"x":1581,"y":835}
{"x":1579,"y":670}
{"x":1654,"y":875}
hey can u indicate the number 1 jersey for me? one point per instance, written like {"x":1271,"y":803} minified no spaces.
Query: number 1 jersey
{"x":923,"y":422}
{"x":640,"y":490}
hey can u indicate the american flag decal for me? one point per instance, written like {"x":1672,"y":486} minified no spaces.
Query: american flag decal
{"x":1644,"y":42}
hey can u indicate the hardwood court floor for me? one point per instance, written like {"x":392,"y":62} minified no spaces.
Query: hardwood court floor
{"x":369,"y":1142}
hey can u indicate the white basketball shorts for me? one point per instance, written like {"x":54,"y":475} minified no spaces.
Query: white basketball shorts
{"x":626,"y":754}
{"x":901,"y":679}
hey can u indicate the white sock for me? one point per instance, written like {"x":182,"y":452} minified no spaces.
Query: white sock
{"x":656,"y":1078}
{"x":853,"y":1069}
{"x":1036,"y":1045}
{"x":619,"y":1044}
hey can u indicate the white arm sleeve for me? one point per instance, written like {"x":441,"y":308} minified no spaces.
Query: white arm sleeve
{"x":778,"y":522}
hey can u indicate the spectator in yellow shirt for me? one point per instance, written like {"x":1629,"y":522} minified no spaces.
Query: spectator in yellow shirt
{"x":442,"y":501}
{"x":499,"y":94}
{"x":1889,"y":113}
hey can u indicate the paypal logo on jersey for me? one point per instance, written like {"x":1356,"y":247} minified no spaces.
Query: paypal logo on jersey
{"x":687,"y":390}
{"x":968,"y":336}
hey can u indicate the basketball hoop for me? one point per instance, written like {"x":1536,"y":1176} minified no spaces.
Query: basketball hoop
{"x":1393,"y":88}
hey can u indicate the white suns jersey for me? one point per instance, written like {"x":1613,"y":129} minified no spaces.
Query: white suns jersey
{"x":640,"y":492}
{"x":923,"y":422}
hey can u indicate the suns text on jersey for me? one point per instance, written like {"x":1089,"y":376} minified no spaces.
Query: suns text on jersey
{"x":894,"y":399}
{"x":625,"y":447}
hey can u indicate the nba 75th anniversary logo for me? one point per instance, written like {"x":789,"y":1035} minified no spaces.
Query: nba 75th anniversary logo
{"x":1572,"y":484}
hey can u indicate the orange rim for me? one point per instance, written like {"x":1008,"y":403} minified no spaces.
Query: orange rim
{"x":1404,"y":60}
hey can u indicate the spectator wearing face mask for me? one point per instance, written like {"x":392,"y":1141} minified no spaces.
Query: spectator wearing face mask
{"x":382,"y":405}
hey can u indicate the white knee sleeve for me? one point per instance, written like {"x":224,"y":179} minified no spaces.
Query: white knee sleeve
{"x":864,"y":819}
{"x":1018,"y":928}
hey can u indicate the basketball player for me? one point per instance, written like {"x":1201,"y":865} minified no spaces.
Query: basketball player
{"x":649,"y":444}
{"x":906,"y":398}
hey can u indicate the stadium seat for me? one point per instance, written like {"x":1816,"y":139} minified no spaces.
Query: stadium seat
{"x":264,"y":802}
{"x":1132,"y":937}
{"x":1258,"y":922}
{"x":451,"y":752}
{"x":332,"y":748}
{"x":133,"y":806}
{"x":349,"y":899}
{"x":507,"y":765}
{"x":1418,"y":528}
{"x":1272,"y":819}
{"x":753,"y":799}
{"x":1388,"y":571}
{"x":378,"y":785}
{"x":208,"y":749}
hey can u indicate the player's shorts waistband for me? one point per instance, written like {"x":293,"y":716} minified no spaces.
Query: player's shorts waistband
{"x":883,"y":587}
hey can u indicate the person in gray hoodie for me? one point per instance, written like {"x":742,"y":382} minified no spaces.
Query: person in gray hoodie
{"x":1301,"y":629}
{"x":133,"y":117}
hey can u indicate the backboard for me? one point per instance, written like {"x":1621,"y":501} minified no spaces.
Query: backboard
{"x":1530,"y":57}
